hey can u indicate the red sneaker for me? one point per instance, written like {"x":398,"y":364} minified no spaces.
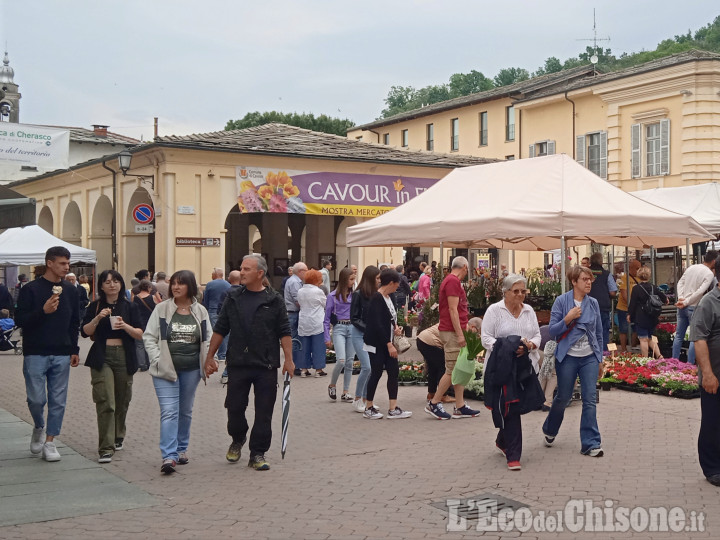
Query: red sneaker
{"x":514,"y":465}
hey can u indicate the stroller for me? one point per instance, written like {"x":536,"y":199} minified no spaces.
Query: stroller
{"x":7,"y":343}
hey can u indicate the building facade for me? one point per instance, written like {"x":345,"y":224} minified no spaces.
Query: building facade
{"x":213,"y":199}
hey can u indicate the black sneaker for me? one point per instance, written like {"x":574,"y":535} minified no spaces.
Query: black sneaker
{"x":548,"y":440}
{"x":105,"y":458}
{"x":168,"y":466}
{"x":119,"y":444}
{"x":259,"y":463}
{"x":332,"y":392}
{"x":595,"y":452}
{"x":233,"y":453}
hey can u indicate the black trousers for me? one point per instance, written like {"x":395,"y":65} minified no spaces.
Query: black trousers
{"x":379,"y":361}
{"x":709,"y":437}
{"x":509,"y":438}
{"x":435,"y":358}
{"x":265,"y":385}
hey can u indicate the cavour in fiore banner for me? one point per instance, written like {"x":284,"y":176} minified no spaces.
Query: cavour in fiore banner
{"x":324,"y":193}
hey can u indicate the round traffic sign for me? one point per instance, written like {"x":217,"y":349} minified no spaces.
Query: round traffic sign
{"x":143,"y":214}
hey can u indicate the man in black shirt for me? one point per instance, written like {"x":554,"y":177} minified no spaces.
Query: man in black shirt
{"x":256,"y":319}
{"x":48,"y":313}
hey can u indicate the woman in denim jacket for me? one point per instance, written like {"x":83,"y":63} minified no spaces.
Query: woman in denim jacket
{"x":576,"y":325}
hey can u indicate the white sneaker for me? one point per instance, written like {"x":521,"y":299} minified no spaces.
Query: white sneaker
{"x":359,"y":405}
{"x":49,"y":452}
{"x":398,"y":413}
{"x":372,"y":413}
{"x":37,"y":441}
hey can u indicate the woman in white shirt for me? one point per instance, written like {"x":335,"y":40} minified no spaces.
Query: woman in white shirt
{"x":311,"y":329}
{"x":512,"y":317}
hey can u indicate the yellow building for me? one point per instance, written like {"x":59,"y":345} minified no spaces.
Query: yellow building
{"x":298,"y":192}
{"x":652,"y":125}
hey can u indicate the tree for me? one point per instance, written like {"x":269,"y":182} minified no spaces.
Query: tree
{"x":512,"y":75}
{"x":464,"y":84}
{"x":322,"y":123}
{"x":398,"y":100}
{"x":552,"y":65}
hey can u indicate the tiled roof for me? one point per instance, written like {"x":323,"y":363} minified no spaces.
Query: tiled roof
{"x":283,"y":140}
{"x":521,"y":88}
{"x":674,"y":60}
{"x":82,"y":135}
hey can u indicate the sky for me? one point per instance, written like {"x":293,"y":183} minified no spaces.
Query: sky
{"x":196,"y":65}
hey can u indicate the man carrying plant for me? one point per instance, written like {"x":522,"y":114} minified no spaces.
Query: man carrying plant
{"x":693,"y":284}
{"x":705,"y":333}
{"x":604,"y":289}
{"x":453,"y":320}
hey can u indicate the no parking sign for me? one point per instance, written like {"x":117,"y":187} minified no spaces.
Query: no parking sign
{"x":143,"y":214}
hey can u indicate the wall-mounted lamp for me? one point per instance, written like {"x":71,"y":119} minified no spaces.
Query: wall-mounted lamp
{"x":686,"y":93}
{"x":210,"y":173}
{"x":124,"y":162}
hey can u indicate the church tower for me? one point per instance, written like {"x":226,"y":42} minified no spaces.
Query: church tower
{"x":9,"y":93}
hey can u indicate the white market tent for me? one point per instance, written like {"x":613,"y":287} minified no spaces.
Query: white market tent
{"x":528,"y":204}
{"x":702,"y":202}
{"x":26,"y":246}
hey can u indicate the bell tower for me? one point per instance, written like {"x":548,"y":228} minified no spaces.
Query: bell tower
{"x":9,"y":93}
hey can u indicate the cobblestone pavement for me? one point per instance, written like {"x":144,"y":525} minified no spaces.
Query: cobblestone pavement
{"x":345,"y":477}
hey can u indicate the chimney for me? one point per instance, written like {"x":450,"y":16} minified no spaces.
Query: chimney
{"x":100,"y":130}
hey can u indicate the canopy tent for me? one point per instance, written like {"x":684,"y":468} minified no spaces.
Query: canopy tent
{"x":527,"y":204}
{"x":27,"y":246}
{"x":702,"y":202}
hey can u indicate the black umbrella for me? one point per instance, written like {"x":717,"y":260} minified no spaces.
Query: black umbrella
{"x":285,"y":413}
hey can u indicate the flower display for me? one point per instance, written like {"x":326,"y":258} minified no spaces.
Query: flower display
{"x":667,"y":376}
{"x":277,"y":195}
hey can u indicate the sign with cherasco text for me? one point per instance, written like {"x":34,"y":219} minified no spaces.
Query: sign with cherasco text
{"x":34,"y":146}
{"x":324,"y":193}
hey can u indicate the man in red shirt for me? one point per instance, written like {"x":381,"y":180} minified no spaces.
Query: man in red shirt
{"x":453,"y":320}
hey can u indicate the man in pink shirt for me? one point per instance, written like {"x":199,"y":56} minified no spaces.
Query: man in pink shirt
{"x":453,"y":320}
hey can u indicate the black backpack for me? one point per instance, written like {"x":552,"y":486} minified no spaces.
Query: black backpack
{"x":652,"y":307}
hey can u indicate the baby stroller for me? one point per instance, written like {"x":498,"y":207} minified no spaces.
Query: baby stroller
{"x":7,"y":343}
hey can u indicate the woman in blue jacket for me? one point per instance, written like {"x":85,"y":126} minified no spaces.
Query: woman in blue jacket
{"x":576,"y":325}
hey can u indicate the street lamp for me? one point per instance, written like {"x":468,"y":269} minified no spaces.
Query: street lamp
{"x":124,"y":162}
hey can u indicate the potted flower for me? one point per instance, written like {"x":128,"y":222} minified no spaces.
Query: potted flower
{"x":406,"y":375}
{"x":606,"y":383}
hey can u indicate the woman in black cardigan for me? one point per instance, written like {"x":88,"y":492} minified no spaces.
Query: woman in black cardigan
{"x":381,"y":325}
{"x":112,"y":359}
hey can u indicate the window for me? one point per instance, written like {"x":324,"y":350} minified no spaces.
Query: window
{"x":591,"y":152}
{"x":386,"y":138}
{"x":483,"y":128}
{"x":404,"y":138}
{"x":542,"y":148}
{"x":430,"y":137}
{"x":359,"y":138}
{"x":656,"y":145}
{"x":510,"y":123}
{"x":510,"y":158}
{"x":455,"y":135}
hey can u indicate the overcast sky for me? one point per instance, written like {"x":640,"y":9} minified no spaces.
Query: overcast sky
{"x":196,"y":65}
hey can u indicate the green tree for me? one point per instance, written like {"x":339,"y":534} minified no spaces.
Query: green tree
{"x":322,"y":123}
{"x":552,"y":65}
{"x":512,"y":75}
{"x":464,"y":84}
{"x":398,"y":100}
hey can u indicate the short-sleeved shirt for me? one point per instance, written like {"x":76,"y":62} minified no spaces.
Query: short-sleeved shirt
{"x":451,"y":286}
{"x":184,"y":342}
{"x":705,"y":326}
{"x":622,"y":304}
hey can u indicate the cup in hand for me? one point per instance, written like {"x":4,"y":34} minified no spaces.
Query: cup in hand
{"x":114,"y":320}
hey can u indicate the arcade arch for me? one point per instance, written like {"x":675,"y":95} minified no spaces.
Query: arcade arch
{"x":101,"y":232}
{"x":45,"y":219}
{"x":72,"y":224}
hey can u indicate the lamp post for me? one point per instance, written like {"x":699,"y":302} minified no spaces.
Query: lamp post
{"x":113,"y":231}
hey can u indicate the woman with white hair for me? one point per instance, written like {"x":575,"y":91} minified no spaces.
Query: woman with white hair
{"x":512,"y":317}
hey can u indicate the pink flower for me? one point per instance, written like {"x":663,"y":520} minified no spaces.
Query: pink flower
{"x":278,"y":203}
{"x":251,"y":201}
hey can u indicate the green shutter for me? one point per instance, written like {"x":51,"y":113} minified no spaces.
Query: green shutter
{"x":580,"y":149}
{"x":603,"y":155}
{"x":635,"y":157}
{"x":665,"y":146}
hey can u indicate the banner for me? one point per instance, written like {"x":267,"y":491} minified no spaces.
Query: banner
{"x":324,"y":193}
{"x":33,"y":146}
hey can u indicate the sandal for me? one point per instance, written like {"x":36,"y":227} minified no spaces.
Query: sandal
{"x":319,"y":373}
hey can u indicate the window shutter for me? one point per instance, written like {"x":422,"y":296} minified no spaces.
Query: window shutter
{"x":603,"y":155}
{"x":635,"y":146}
{"x":665,"y":146}
{"x":531,"y":151}
{"x":580,"y":149}
{"x":550,"y":148}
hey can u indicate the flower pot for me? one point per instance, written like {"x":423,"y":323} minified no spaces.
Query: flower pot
{"x":408,"y":331}
{"x":607,"y":386}
{"x":543,"y":316}
{"x":407,"y":383}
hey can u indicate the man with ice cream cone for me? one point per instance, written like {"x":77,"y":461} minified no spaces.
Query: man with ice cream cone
{"x":48,"y":312}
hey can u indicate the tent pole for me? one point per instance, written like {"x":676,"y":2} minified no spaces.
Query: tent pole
{"x":611,"y":269}
{"x":442,"y":257}
{"x":627,"y":292}
{"x":687,"y":253}
{"x":653,"y":265}
{"x":563,"y":249}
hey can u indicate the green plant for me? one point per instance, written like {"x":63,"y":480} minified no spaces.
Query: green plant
{"x":475,"y":291}
{"x":401,"y":317}
{"x":430,"y":311}
{"x":473,"y":344}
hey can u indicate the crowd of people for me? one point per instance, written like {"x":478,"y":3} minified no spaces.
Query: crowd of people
{"x":180,"y":335}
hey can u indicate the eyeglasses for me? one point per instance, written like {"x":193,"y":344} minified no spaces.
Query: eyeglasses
{"x":586,"y":279}
{"x":520,"y":291}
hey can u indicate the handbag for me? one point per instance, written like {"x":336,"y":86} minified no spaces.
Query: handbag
{"x":464,"y":370}
{"x":401,"y":343}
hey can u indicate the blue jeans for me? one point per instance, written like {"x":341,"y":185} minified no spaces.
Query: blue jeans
{"x":567,"y":372}
{"x":683,"y":321}
{"x":293,"y":317}
{"x":345,"y":353}
{"x":222,"y":349}
{"x":176,"y":404}
{"x":605,"y":318}
{"x":313,"y":351}
{"x":54,"y":371}
{"x":356,"y":337}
